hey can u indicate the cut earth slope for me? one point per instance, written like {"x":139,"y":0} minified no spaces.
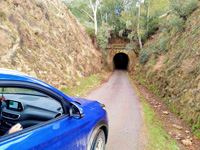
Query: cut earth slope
{"x":43,"y":39}
{"x":174,"y":75}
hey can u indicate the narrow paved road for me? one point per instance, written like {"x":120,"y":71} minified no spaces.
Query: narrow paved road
{"x":123,"y":110}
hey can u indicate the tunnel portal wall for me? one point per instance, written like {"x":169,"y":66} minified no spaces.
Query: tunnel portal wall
{"x":131,"y":55}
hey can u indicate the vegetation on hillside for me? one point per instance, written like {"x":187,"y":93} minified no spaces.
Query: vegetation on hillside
{"x":140,"y":18}
{"x":170,"y":61}
{"x":85,"y":85}
{"x":179,"y":11}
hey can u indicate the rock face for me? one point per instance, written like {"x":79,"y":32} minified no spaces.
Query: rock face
{"x":44,"y":40}
{"x":175,"y":75}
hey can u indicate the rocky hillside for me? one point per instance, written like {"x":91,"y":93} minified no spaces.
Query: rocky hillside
{"x":44,"y":40}
{"x":174,"y":74}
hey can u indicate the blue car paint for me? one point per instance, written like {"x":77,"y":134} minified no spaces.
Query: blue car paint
{"x":86,"y":103}
{"x":67,"y":133}
{"x":56,"y":135}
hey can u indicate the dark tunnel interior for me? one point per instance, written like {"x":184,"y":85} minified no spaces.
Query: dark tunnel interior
{"x":121,"y":61}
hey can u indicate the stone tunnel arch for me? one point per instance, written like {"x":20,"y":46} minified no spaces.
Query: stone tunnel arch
{"x":110,"y":54}
{"x":121,"y":61}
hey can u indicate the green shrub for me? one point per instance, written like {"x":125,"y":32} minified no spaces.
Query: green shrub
{"x":129,"y":25}
{"x":130,"y":46}
{"x":103,"y":36}
{"x":144,"y":55}
{"x":196,"y":128}
{"x":105,"y":53}
{"x":144,"y":36}
{"x":183,"y":8}
{"x":153,"y":25}
{"x":121,"y":33}
{"x":155,"y":50}
{"x":163,"y":43}
{"x":90,"y":31}
{"x":164,"y":26}
{"x":2,"y":16}
{"x":132,"y":36}
{"x":177,"y":23}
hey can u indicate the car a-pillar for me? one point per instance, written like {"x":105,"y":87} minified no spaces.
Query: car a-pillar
{"x":121,"y":61}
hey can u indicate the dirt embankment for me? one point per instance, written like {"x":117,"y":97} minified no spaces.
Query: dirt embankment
{"x":175,"y":75}
{"x":173,"y":124}
{"x":44,"y":40}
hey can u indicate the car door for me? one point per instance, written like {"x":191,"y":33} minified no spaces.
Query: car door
{"x":62,"y":132}
{"x":65,"y":133}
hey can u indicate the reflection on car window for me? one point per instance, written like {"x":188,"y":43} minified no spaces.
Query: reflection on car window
{"x":19,"y":91}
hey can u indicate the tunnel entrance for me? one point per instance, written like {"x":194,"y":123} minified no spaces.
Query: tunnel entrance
{"x":121,"y":61}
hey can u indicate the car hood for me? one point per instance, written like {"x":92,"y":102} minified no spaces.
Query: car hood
{"x":85,"y":102}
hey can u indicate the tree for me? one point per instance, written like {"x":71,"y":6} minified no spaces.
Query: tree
{"x":94,"y":5}
{"x":90,"y":8}
{"x":103,"y":36}
{"x":138,"y":24}
{"x":140,"y":16}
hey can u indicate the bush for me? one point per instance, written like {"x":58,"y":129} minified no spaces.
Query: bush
{"x":143,"y":36}
{"x":153,"y":25}
{"x":129,"y":25}
{"x":164,"y":25}
{"x":103,"y":36}
{"x":183,"y":8}
{"x":2,"y":16}
{"x":163,"y":43}
{"x":178,"y":24}
{"x":130,"y":46}
{"x":155,"y":50}
{"x":132,"y":36}
{"x":105,"y":53}
{"x":89,"y":28}
{"x":121,"y":33}
{"x":90,"y":31}
{"x":144,"y":55}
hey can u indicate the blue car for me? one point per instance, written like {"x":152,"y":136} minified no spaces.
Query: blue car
{"x":50,"y":119}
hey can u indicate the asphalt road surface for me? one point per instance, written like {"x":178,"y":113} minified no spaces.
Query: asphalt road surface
{"x":124,"y":114}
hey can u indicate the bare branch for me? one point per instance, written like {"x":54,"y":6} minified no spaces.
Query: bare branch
{"x":88,"y":14}
{"x":92,"y":5}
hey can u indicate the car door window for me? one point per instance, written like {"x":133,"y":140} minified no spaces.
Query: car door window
{"x":27,"y":107}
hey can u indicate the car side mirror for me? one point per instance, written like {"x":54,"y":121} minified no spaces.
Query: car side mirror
{"x":76,"y":112}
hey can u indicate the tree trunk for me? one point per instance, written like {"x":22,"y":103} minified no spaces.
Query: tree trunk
{"x":106,"y":17}
{"x":94,"y":7}
{"x":95,"y":23}
{"x":148,"y":10}
{"x":138,"y":27}
{"x":96,"y":31}
{"x":95,"y":42}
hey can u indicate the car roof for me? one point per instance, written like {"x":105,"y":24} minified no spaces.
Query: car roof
{"x":10,"y":71}
{"x":8,"y":74}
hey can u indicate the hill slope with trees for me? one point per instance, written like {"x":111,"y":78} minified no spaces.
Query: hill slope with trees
{"x":170,"y":62}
